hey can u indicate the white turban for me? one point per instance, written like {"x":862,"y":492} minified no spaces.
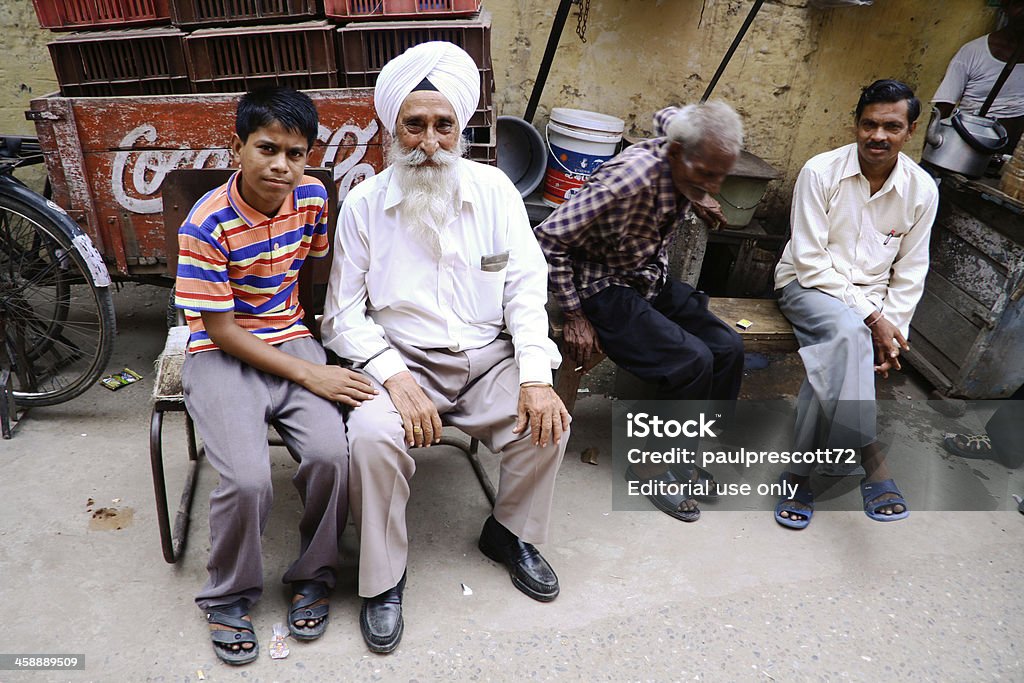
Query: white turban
{"x":446,"y":66}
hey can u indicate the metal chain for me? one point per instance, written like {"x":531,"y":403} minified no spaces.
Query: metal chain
{"x":581,"y":25}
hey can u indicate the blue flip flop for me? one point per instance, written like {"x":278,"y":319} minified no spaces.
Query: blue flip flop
{"x":802,"y":495}
{"x":872,"y":490}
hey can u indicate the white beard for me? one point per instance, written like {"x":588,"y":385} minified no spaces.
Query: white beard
{"x":430,"y":192}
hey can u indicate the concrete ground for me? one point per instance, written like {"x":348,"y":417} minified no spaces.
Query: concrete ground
{"x":734,"y":597}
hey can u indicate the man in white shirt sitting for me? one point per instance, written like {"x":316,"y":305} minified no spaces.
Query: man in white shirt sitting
{"x":974,"y":69}
{"x":849,"y":280}
{"x":434,"y":259}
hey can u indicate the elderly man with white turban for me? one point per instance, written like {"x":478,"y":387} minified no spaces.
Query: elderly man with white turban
{"x":434,"y":260}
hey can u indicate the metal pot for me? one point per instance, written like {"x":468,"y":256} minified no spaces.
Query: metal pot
{"x":963,"y":143}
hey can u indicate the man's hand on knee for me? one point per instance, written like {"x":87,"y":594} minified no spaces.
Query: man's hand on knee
{"x":420,"y":420}
{"x":540,"y":407}
{"x":580,"y":338}
{"x":887,"y":341}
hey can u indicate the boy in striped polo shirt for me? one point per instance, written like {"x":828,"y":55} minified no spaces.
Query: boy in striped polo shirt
{"x":251,"y":362}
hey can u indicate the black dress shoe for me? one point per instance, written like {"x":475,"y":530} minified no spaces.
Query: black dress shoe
{"x":380,"y":620}
{"x":530,"y":572}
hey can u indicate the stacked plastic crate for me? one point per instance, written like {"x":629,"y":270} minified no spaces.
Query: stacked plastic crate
{"x":97,"y":62}
{"x":191,"y":55}
{"x":378,"y":30}
{"x":234,"y":45}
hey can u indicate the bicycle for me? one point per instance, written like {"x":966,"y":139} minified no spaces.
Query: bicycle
{"x":57,"y":321}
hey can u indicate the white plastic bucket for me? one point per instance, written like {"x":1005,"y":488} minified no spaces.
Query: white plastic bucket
{"x":578,"y":143}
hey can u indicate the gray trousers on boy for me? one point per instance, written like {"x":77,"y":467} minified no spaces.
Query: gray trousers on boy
{"x":477,"y":391}
{"x":232,"y":403}
{"x":836,"y":404}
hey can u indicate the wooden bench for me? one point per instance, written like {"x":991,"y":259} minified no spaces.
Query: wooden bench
{"x":769,"y":333}
{"x":180,"y":192}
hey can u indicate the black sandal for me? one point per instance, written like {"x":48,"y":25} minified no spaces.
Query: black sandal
{"x":971,"y":446}
{"x":231,"y":615}
{"x":311,"y":592}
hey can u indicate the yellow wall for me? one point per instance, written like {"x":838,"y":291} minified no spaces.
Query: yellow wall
{"x":794,"y":79}
{"x":25,"y":69}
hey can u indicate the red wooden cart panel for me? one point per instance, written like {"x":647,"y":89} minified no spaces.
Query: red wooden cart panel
{"x":107,"y":158}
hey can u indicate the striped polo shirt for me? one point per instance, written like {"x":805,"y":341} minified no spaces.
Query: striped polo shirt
{"x":233,"y":258}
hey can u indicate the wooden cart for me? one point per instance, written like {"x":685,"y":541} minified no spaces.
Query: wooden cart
{"x":108,"y":158}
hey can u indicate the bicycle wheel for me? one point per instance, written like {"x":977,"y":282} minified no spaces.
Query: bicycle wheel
{"x":57,"y":328}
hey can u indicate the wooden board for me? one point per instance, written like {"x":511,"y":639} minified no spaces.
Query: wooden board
{"x":969,"y":326}
{"x":770,"y":331}
{"x":108,"y":158}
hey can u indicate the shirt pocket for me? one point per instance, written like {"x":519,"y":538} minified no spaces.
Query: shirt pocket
{"x":479,"y":297}
{"x":876,"y":250}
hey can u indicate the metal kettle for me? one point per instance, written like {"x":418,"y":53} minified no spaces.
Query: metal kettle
{"x":963,"y":143}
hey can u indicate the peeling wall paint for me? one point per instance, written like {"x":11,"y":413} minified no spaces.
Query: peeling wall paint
{"x":794,"y":79}
{"x":25,"y":70}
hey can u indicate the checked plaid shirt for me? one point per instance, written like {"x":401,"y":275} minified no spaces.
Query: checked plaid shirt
{"x":617,"y":230}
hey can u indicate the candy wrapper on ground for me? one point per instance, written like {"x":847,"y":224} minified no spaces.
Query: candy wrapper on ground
{"x":278,"y":646}
{"x":120,"y":379}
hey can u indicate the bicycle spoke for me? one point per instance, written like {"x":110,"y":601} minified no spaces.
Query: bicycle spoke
{"x":56,"y":326}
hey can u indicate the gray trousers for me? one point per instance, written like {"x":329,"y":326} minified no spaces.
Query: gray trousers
{"x":836,"y":404}
{"x":232,"y":403}
{"x":478,"y":392}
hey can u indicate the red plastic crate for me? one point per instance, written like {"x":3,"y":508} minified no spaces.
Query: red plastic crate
{"x":485,"y":135}
{"x":221,"y":12}
{"x":483,"y":142}
{"x":300,"y":56}
{"x":350,"y":10}
{"x":485,"y":154}
{"x":365,"y":48}
{"x":73,"y":15}
{"x":134,"y":62}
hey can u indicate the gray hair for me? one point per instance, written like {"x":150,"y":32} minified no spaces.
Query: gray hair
{"x":713,"y":122}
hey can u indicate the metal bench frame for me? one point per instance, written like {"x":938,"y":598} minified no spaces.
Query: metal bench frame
{"x":173,"y":542}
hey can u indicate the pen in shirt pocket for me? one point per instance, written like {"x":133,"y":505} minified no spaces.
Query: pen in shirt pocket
{"x":892,"y":233}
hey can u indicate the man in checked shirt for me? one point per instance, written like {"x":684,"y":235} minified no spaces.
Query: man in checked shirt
{"x":607,"y":251}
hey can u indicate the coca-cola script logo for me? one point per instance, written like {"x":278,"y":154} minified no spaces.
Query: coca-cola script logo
{"x":134,"y":184}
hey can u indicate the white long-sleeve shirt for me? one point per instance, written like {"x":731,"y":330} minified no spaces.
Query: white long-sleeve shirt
{"x":386,"y":284}
{"x":869,"y":251}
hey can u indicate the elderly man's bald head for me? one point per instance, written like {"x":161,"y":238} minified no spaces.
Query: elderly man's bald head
{"x":704,"y":142}
{"x":712,"y":123}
